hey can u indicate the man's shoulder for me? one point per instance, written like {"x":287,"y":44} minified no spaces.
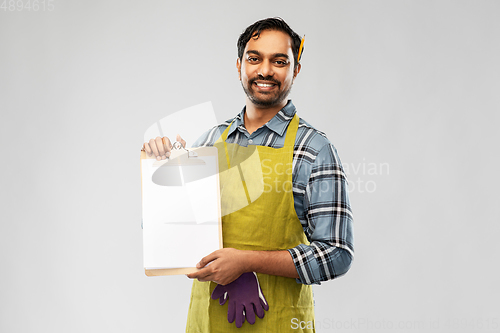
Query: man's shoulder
{"x":313,"y":146}
{"x":309,"y":135}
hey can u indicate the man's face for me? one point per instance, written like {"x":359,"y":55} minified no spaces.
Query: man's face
{"x":266,"y":69}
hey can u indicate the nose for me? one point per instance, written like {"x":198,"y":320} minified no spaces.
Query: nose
{"x":265,"y":69}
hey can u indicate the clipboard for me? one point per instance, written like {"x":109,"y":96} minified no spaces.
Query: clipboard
{"x":174,"y":238}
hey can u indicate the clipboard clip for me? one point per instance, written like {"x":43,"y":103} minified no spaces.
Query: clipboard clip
{"x":180,"y":156}
{"x":178,"y":146}
{"x":164,"y":175}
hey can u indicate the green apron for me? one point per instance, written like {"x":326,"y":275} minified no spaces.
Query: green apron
{"x":258,"y":214}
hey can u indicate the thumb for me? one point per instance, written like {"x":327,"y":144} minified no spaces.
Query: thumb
{"x":181,"y":140}
{"x":205,"y":261}
{"x":218,"y":292}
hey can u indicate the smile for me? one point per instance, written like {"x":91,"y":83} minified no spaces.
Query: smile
{"x":264,"y":84}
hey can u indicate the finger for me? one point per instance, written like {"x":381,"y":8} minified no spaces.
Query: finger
{"x":148,"y":149}
{"x":262,"y":298}
{"x":259,"y":310}
{"x":206,"y":260}
{"x":181,"y":140}
{"x":240,"y":315}
{"x":202,"y":275}
{"x":218,"y":292}
{"x":161,"y":144}
{"x":231,"y":311}
{"x":264,"y":304}
{"x":250,"y":313}
{"x":195,"y":275}
{"x":167,"y":145}
{"x":154,"y":148}
{"x":223,"y":299}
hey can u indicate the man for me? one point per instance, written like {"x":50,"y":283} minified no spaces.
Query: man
{"x":296,"y":233}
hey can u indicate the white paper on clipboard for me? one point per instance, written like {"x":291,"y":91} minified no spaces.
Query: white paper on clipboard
{"x":181,"y":209}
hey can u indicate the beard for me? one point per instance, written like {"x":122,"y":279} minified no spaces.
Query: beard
{"x":271,"y":98}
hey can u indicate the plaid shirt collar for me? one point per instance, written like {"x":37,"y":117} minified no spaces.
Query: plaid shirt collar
{"x":277,"y":124}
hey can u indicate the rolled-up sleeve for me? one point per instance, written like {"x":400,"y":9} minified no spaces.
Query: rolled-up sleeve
{"x":327,"y":221}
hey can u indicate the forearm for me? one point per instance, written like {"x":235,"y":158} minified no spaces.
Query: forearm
{"x":278,"y":263}
{"x":320,"y":262}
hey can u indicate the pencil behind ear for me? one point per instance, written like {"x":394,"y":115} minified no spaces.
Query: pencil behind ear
{"x":301,"y":48}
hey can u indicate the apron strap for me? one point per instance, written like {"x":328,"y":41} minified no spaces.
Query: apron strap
{"x":224,"y":138}
{"x":292,"y":131}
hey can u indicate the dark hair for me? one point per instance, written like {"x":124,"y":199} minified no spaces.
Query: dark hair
{"x":275,"y":23}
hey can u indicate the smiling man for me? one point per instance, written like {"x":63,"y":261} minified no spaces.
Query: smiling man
{"x":298,"y":232}
{"x":267,"y":77}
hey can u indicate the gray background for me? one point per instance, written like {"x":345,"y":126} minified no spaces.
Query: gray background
{"x":408,"y":92}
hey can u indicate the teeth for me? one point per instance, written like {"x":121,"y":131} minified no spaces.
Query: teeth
{"x":264,"y":84}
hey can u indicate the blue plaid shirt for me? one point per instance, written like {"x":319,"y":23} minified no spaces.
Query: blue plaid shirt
{"x":319,"y":191}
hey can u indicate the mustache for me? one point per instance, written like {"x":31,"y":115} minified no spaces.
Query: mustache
{"x":267,"y":78}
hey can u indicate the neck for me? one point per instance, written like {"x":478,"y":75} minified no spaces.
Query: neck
{"x":256,"y":116}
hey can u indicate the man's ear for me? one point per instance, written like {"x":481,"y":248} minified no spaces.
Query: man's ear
{"x":296,"y":71}
{"x":238,"y":66}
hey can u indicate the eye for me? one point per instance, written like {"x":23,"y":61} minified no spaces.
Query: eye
{"x":252,"y":59}
{"x":281,"y":62}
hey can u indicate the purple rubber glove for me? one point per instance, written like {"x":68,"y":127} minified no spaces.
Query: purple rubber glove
{"x":245,"y":299}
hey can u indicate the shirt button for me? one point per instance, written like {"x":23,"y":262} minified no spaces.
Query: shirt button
{"x":250,"y":141}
